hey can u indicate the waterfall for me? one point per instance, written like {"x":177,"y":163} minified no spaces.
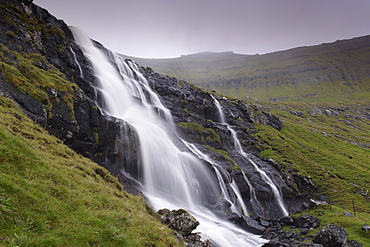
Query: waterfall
{"x":78,"y":64}
{"x":224,"y":193}
{"x":254,"y":202}
{"x":173,"y":177}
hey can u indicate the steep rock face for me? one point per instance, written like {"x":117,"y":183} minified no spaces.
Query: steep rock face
{"x":198,"y":118}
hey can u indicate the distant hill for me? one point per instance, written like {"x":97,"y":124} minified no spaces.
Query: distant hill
{"x":334,"y":72}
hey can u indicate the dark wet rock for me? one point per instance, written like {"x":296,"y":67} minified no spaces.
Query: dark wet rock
{"x":195,"y":240}
{"x":353,"y":243}
{"x":305,"y":183}
{"x":305,"y":231}
{"x":249,"y":224}
{"x":331,"y":236}
{"x":179,"y":220}
{"x":252,"y":225}
{"x":32,"y":107}
{"x":301,"y":225}
{"x":309,"y":245}
{"x":288,"y":221}
{"x":184,"y":223}
{"x":275,"y":244}
{"x":308,"y":221}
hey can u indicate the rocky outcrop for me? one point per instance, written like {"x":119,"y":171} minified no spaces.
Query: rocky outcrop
{"x":198,"y":118}
{"x":183,"y":223}
{"x":308,"y":221}
{"x":331,"y":235}
{"x":179,"y":220}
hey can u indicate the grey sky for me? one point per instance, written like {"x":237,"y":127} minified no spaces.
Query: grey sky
{"x":170,"y":28}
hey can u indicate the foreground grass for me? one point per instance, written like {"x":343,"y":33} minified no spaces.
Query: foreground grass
{"x":329,"y":143}
{"x":50,"y":196}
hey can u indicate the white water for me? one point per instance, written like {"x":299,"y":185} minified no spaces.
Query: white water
{"x":224,"y":193}
{"x":78,"y":64}
{"x":172,"y":178}
{"x":263,"y":174}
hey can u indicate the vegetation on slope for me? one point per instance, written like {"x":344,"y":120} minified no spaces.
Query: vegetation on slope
{"x":329,"y":143}
{"x":335,"y":72}
{"x":50,"y":196}
{"x":33,"y":75}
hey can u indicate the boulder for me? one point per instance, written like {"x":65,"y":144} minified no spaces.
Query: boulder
{"x":331,"y":236}
{"x":251,"y":225}
{"x":348,"y":214}
{"x":179,"y":220}
{"x":195,"y":240}
{"x":275,"y":244}
{"x":353,"y":243}
{"x":366,"y":228}
{"x":308,"y":221}
{"x":288,"y":221}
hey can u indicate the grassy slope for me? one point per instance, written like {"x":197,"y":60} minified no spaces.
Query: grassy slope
{"x":333,"y":150}
{"x":329,"y":72}
{"x":50,"y":196}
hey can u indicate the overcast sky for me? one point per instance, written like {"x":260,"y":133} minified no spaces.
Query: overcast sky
{"x":170,"y":28}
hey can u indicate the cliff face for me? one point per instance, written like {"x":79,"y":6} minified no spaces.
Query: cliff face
{"x":46,"y":73}
{"x":198,"y":119}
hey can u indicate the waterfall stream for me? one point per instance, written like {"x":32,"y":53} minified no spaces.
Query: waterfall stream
{"x":254,"y":202}
{"x":238,"y":207}
{"x":173,"y":177}
{"x":78,"y":64}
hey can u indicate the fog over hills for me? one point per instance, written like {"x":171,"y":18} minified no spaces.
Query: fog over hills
{"x":332,"y":72}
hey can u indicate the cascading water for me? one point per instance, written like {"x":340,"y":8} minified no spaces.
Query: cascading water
{"x":254,"y":202}
{"x":79,"y":66}
{"x":172,"y":178}
{"x":224,"y":193}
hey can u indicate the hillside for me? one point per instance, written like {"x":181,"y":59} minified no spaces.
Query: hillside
{"x":330,"y":143}
{"x":53,"y":196}
{"x":334,"y":72}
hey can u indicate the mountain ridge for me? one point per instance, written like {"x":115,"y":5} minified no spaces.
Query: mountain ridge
{"x":330,"y":72}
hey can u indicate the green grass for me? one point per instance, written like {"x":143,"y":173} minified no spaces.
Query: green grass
{"x":204,"y":135}
{"x":51,"y":196}
{"x":22,"y":72}
{"x":332,"y":150}
{"x":329,"y":214}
